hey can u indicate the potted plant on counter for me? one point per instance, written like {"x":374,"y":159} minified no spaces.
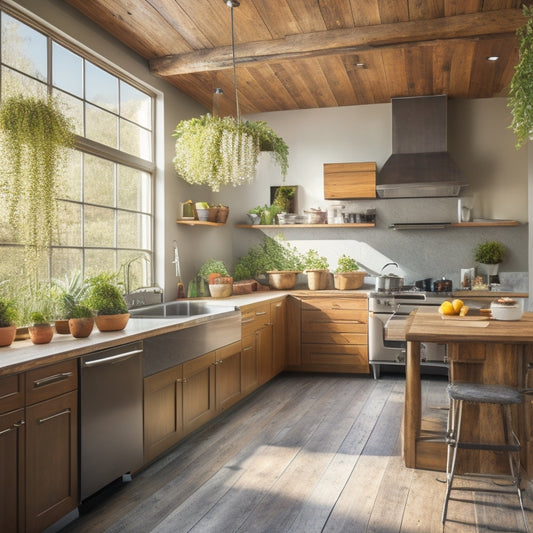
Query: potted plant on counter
{"x":317,"y":270}
{"x":80,"y":321}
{"x":41,"y":331}
{"x":71,"y":292}
{"x":8,"y":319}
{"x":489,"y":255}
{"x":216,"y":274}
{"x":106,"y":299}
{"x":347,"y":274}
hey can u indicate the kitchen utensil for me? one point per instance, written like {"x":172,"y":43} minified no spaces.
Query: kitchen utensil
{"x":389,"y":282}
{"x":442,"y":285}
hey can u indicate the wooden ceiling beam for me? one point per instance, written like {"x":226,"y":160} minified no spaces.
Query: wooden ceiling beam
{"x":333,"y":42}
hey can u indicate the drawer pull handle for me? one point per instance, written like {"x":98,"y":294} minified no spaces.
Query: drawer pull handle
{"x":46,"y":419}
{"x":15,"y":426}
{"x":181,"y":380}
{"x":260,"y":313}
{"x":247,"y":321}
{"x":112,"y":359}
{"x":51,"y":379}
{"x":247,"y":349}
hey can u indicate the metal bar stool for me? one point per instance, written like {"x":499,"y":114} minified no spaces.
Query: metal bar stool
{"x":500,"y":395}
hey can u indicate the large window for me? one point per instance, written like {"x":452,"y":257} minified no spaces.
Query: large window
{"x":105,"y":203}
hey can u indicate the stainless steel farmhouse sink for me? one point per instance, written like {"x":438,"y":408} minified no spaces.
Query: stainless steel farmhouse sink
{"x":179,"y":309}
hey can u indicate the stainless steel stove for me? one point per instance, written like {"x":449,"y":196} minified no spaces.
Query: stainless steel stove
{"x":387,"y":315}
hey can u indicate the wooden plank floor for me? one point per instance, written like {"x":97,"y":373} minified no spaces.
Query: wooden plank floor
{"x":305,"y":453}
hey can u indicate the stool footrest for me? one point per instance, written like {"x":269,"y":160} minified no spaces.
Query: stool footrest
{"x":487,"y":447}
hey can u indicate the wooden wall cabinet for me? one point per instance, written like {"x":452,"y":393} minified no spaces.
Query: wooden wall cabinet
{"x":38,"y":447}
{"x":343,"y":181}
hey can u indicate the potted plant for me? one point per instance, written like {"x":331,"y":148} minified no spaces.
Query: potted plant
{"x":80,"y":321}
{"x":105,"y":298}
{"x":41,"y":331}
{"x":521,"y":87}
{"x":222,"y":213}
{"x":34,"y":141}
{"x":347,"y":274}
{"x":71,"y":292}
{"x":8,"y":319}
{"x":215,"y":151}
{"x":490,"y":254}
{"x":217,"y":276}
{"x":317,"y":269}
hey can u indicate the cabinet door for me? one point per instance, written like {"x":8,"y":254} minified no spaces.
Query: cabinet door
{"x":12,"y":433}
{"x":11,"y":392}
{"x":51,"y":460}
{"x":198,"y":391}
{"x":249,"y":365}
{"x":228,"y":375}
{"x":278,"y":315}
{"x":263,"y":344}
{"x":163,"y":411}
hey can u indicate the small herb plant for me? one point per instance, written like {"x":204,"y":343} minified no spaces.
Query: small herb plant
{"x":39,"y":319}
{"x":104,"y":296}
{"x":269,"y":255}
{"x":80,"y":311}
{"x":213,"y":266}
{"x":521,"y":88}
{"x":346,"y":264}
{"x":489,"y":252}
{"x":8,"y":313}
{"x":313,"y":261}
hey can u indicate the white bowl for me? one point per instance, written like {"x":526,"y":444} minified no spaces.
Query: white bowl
{"x":507,"y":309}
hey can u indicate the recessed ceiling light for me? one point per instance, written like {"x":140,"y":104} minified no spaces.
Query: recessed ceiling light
{"x":493,"y":58}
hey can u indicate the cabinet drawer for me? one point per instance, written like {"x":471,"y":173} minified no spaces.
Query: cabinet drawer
{"x":47,"y":382}
{"x":328,"y":354}
{"x":334,"y":338}
{"x":11,"y":392}
{"x":347,"y":316}
{"x":326,"y":304}
{"x":254,"y":318}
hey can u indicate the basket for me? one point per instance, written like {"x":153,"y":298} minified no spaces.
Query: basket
{"x":349,"y":280}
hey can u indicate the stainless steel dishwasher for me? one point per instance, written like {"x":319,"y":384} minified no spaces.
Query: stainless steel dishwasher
{"x":111,"y":431}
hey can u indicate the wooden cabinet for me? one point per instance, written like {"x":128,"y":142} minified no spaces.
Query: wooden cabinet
{"x":349,"y":180}
{"x":198,"y":391}
{"x":163,"y":411}
{"x":278,"y":316}
{"x":334,"y":334}
{"x":249,"y":365}
{"x":228,"y":375}
{"x":38,"y":447}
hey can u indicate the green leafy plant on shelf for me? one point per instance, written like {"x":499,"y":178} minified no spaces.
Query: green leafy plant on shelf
{"x":489,"y":252}
{"x":104,"y":296}
{"x":38,"y":318}
{"x":8,"y":312}
{"x":34,"y":138}
{"x":214,"y":151}
{"x":271,"y":254}
{"x":80,"y":311}
{"x":313,"y":261}
{"x":72,"y":290}
{"x":521,"y":87}
{"x":346,"y":264}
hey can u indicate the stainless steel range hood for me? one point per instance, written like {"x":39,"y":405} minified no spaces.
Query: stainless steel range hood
{"x":420,"y":165}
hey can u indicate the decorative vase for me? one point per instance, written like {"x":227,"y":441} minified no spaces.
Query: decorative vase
{"x":317,"y":279}
{"x":7,"y":335}
{"x":81,"y":327}
{"x":112,"y":322}
{"x":349,"y":280}
{"x":41,"y":333}
{"x":62,"y":327}
{"x":490,"y":270}
{"x":203,"y":214}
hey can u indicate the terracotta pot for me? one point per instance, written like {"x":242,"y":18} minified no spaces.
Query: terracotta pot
{"x":62,"y":327}
{"x":349,"y":280}
{"x":317,"y":280}
{"x":112,"y":322}
{"x":7,"y":335}
{"x":81,"y":327}
{"x":41,"y":333}
{"x":22,"y":334}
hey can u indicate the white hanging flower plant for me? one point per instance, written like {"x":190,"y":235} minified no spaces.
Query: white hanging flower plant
{"x":215,"y":151}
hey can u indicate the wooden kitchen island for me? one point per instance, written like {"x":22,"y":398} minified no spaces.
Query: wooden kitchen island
{"x":491,"y":352}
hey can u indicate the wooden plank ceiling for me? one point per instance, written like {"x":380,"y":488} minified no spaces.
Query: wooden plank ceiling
{"x":301,"y":54}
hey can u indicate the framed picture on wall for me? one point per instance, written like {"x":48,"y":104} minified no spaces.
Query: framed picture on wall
{"x":285,"y":196}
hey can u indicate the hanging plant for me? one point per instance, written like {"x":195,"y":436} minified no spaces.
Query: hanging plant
{"x":34,"y":135}
{"x":215,"y":151}
{"x":521,"y":89}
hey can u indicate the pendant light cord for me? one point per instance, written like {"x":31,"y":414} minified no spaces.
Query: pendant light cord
{"x":234,"y":68}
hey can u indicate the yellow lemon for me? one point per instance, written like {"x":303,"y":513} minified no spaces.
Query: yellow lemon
{"x":464,"y":310}
{"x":457,"y":304}
{"x":446,"y":308}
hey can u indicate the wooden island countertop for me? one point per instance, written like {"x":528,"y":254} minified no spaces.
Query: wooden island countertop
{"x":480,"y":351}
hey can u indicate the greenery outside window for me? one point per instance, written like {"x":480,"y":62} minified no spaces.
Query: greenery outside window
{"x":105,"y":207}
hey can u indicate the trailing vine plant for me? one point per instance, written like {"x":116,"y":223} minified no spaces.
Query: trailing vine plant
{"x":215,"y":151}
{"x":34,"y":137}
{"x":521,"y":88}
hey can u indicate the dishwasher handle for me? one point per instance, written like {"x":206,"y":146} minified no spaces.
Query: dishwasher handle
{"x":113,"y":359}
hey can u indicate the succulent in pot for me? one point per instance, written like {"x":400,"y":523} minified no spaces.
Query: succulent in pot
{"x":8,"y":318}
{"x":347,"y":274}
{"x":107,"y":300}
{"x":41,"y":331}
{"x":80,"y":321}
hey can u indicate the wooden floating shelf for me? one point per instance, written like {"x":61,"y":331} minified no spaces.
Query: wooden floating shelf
{"x":283,"y":226}
{"x":199,"y":223}
{"x":485,"y":223}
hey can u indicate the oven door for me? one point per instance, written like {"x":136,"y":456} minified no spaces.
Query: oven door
{"x":386,"y":337}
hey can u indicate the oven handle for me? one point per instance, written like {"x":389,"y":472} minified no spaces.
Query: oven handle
{"x":392,"y":316}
